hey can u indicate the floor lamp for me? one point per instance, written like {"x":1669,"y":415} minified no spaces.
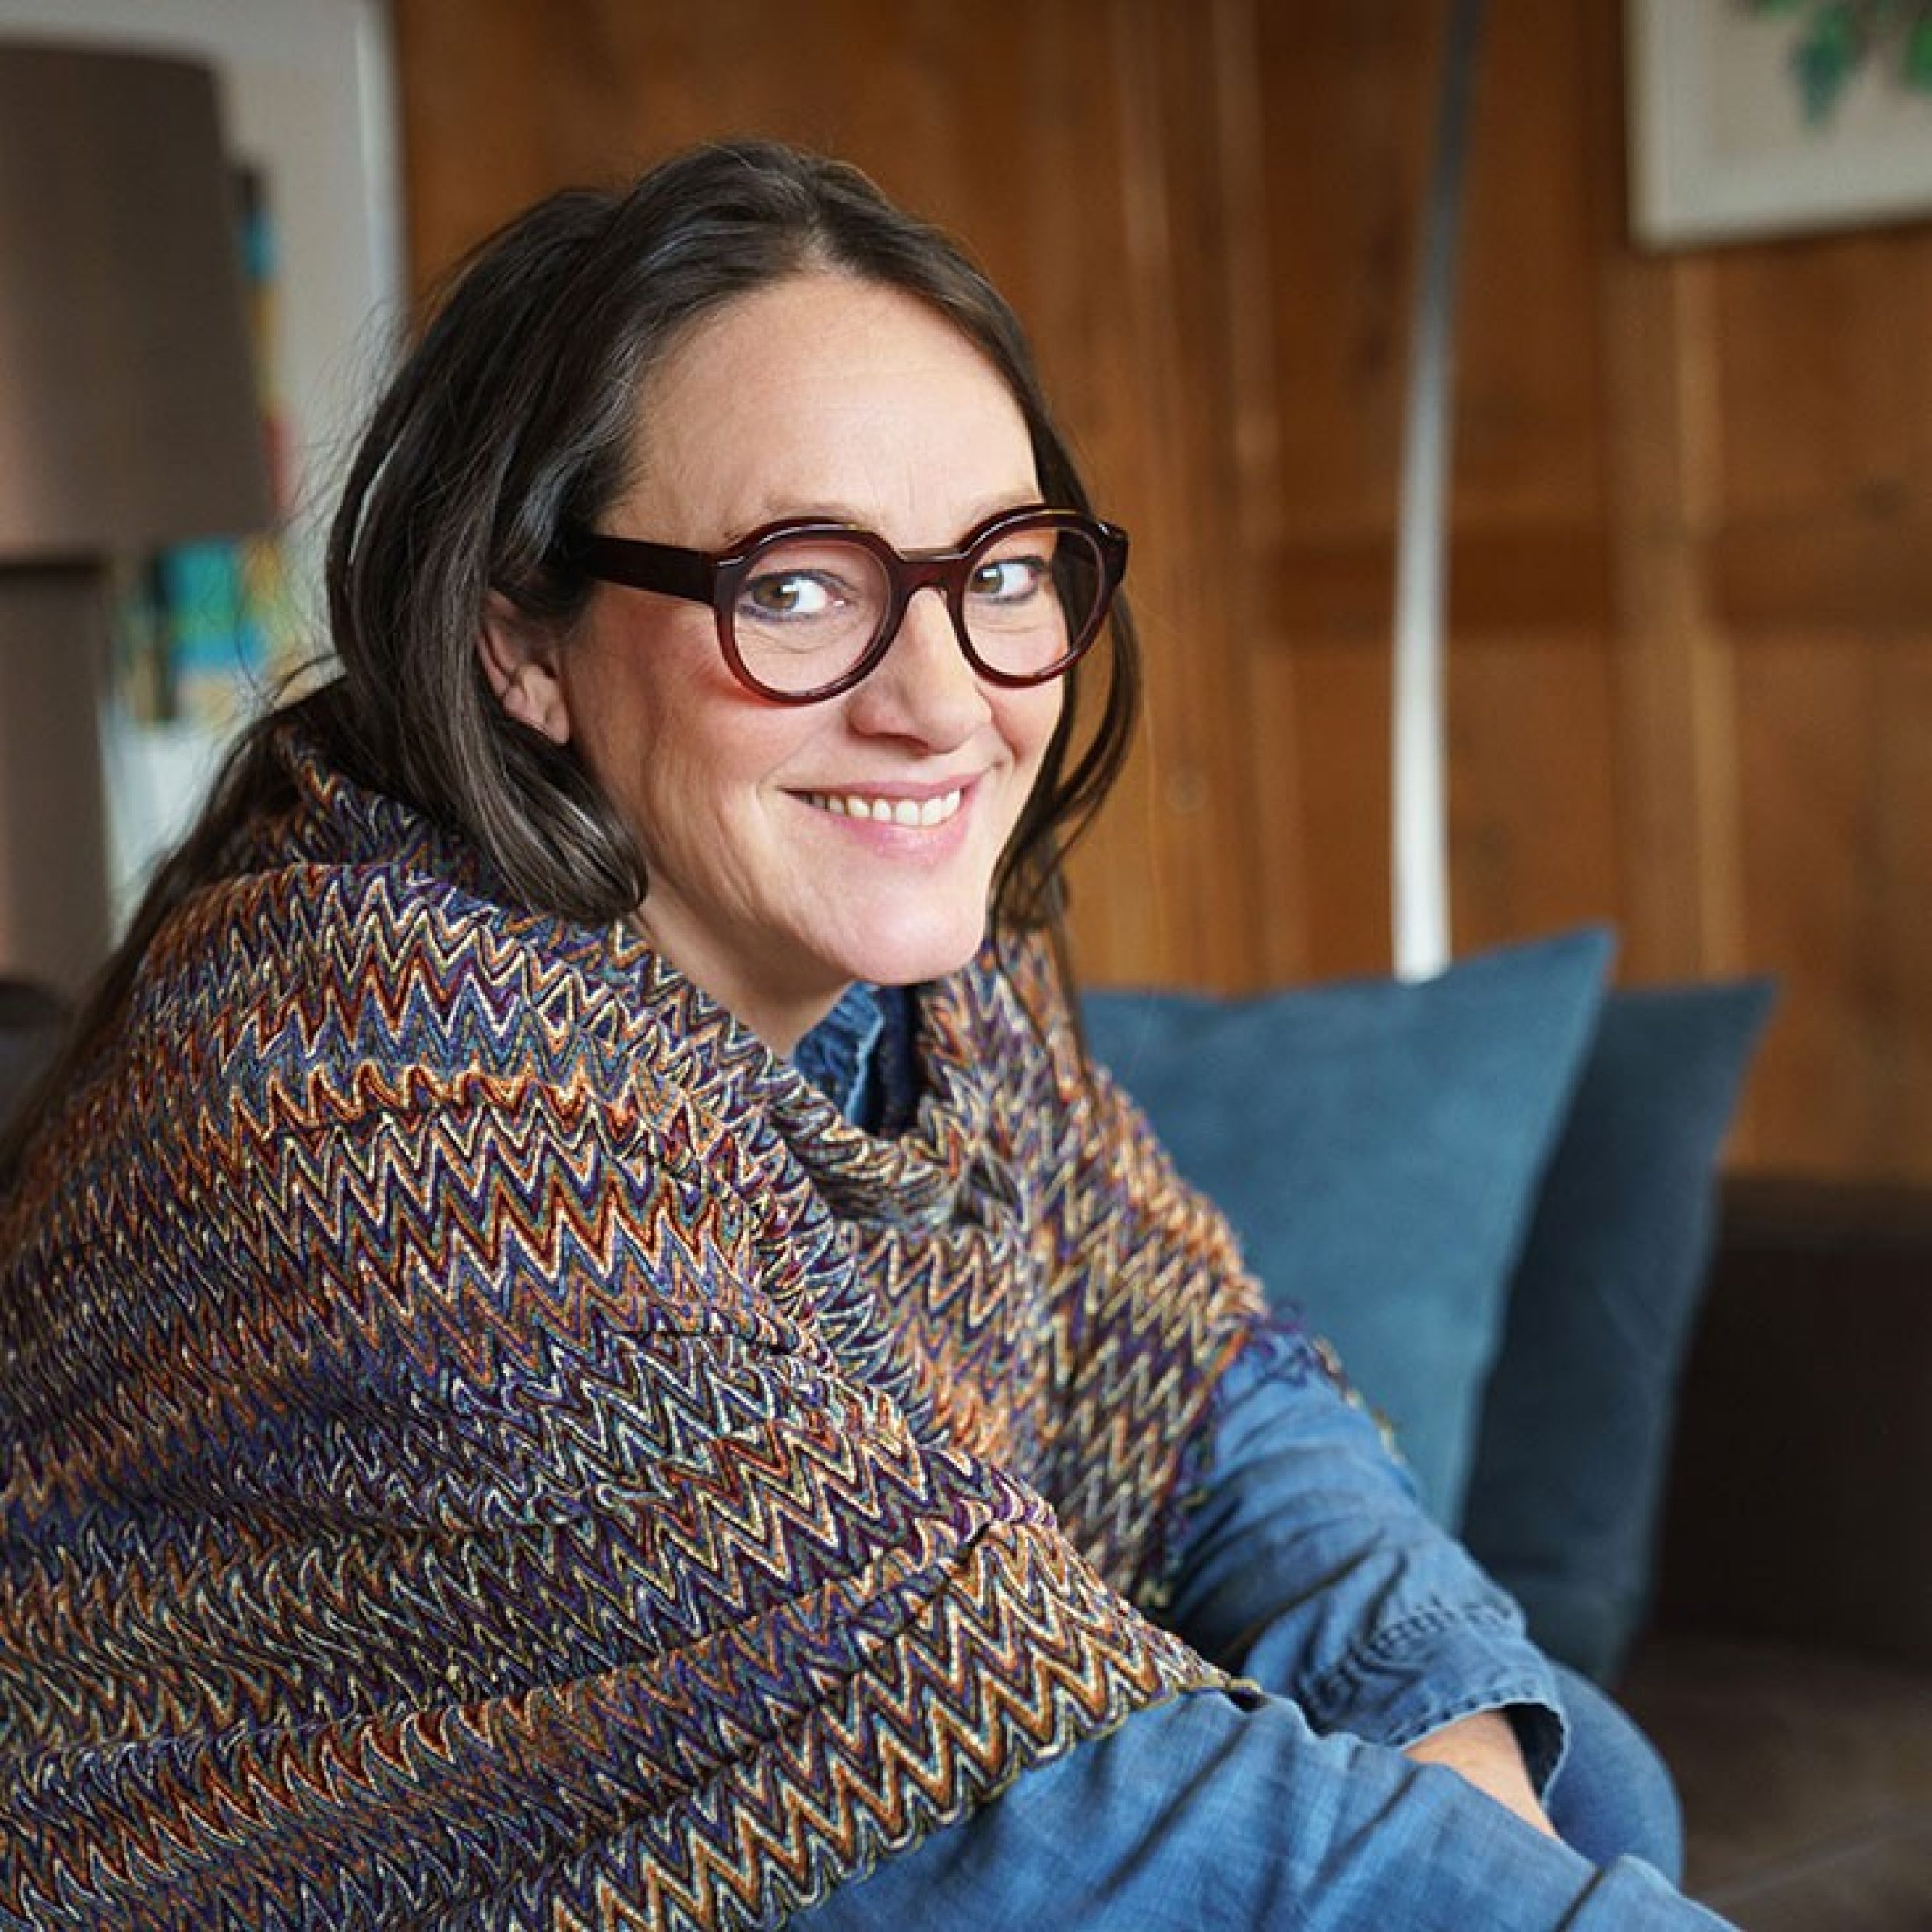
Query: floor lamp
{"x":129,"y":419}
{"x":1420,"y":747}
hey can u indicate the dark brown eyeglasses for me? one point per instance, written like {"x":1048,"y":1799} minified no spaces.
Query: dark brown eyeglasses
{"x":805,"y":609}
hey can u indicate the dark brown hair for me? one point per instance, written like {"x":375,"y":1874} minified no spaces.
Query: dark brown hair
{"x":513,"y":418}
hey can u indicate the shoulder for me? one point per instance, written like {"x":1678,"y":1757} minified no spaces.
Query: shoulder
{"x":355,"y":957}
{"x":323,"y":964}
{"x":373,"y":1060}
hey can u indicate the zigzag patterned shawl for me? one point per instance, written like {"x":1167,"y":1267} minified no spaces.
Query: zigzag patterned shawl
{"x":485,"y":1443}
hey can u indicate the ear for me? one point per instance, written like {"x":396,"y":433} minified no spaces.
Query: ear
{"x":519,"y":659}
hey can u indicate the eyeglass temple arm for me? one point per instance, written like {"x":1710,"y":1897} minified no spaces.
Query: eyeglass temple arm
{"x":645,"y":566}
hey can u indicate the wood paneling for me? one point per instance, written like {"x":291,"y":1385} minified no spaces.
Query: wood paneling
{"x":1691,"y":662}
{"x":1533,"y":574}
{"x":1842,"y":567}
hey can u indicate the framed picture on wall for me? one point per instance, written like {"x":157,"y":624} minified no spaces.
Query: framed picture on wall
{"x":1746,"y":120}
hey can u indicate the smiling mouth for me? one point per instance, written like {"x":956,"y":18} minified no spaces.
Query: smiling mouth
{"x":915,"y":813}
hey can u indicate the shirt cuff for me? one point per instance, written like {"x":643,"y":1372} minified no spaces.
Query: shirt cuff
{"x":1392,"y":1688}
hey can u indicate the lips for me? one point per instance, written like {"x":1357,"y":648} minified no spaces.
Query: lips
{"x":914,"y":814}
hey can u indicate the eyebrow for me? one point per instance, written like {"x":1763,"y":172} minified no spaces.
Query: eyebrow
{"x":986,"y":508}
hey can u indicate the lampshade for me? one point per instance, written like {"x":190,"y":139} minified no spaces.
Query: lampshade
{"x":128,"y":412}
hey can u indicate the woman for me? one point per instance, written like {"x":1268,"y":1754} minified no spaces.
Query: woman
{"x":581,"y":1346}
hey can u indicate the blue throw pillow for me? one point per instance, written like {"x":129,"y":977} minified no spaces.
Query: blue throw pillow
{"x":1562,"y":1501}
{"x":1377,"y":1146}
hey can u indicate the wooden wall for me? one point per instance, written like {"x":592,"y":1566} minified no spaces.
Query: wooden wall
{"x":1691,"y":663}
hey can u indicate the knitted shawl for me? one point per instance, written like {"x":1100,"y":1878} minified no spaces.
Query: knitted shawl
{"x":484,"y":1442}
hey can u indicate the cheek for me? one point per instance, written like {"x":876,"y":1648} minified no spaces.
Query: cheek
{"x":685,"y":756}
{"x":635,"y":707}
{"x":1028,"y":719}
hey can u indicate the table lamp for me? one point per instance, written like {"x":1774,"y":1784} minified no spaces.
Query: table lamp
{"x":129,"y":420}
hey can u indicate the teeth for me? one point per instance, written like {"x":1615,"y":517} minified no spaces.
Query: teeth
{"x":912,"y":813}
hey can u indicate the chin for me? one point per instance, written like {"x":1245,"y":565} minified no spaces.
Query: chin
{"x":911,"y":959}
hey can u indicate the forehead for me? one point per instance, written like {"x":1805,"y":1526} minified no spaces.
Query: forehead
{"x":818,"y":323}
{"x":825,"y":393}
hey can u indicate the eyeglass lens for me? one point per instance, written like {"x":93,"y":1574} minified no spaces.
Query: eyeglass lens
{"x":810,"y":608}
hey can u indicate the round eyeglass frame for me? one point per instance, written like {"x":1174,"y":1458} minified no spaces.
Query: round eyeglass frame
{"x":715,"y":577}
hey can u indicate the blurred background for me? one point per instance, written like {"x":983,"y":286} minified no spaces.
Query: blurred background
{"x":1687,"y":547}
{"x":1690,"y":682}
{"x":1690,"y":570}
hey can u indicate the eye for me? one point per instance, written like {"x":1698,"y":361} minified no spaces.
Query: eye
{"x":792,"y":596}
{"x":1012,"y":578}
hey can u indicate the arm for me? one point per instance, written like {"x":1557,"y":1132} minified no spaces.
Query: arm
{"x":1302,"y":1558}
{"x":1243,"y":1591}
{"x":1292,"y":1549}
{"x":476,"y":1524}
{"x":1307,"y":1563}
{"x":1484,"y":1750}
{"x":975,"y":1643}
{"x":1208,"y":1812}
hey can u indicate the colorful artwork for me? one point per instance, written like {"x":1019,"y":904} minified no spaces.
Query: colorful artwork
{"x":1835,"y":40}
{"x":1760,"y":118}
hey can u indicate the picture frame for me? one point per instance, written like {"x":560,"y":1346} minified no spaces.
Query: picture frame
{"x":1718,"y":146}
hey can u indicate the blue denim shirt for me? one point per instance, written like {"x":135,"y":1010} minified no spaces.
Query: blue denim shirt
{"x":861,"y":1056}
{"x":1307,"y":1566}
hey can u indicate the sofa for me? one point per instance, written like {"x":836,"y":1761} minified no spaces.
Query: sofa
{"x":1785,"y":1665}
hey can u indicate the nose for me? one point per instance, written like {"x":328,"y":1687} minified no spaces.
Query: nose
{"x":923,"y":689}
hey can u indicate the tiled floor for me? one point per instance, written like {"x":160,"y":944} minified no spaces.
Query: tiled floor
{"x":1806,"y":1783}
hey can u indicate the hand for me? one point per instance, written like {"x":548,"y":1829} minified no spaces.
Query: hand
{"x":1484,"y":1749}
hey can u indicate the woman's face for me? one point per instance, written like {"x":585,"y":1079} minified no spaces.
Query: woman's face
{"x":824,"y":397}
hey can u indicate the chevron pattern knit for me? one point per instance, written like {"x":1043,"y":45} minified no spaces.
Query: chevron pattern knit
{"x":483,"y":1443}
